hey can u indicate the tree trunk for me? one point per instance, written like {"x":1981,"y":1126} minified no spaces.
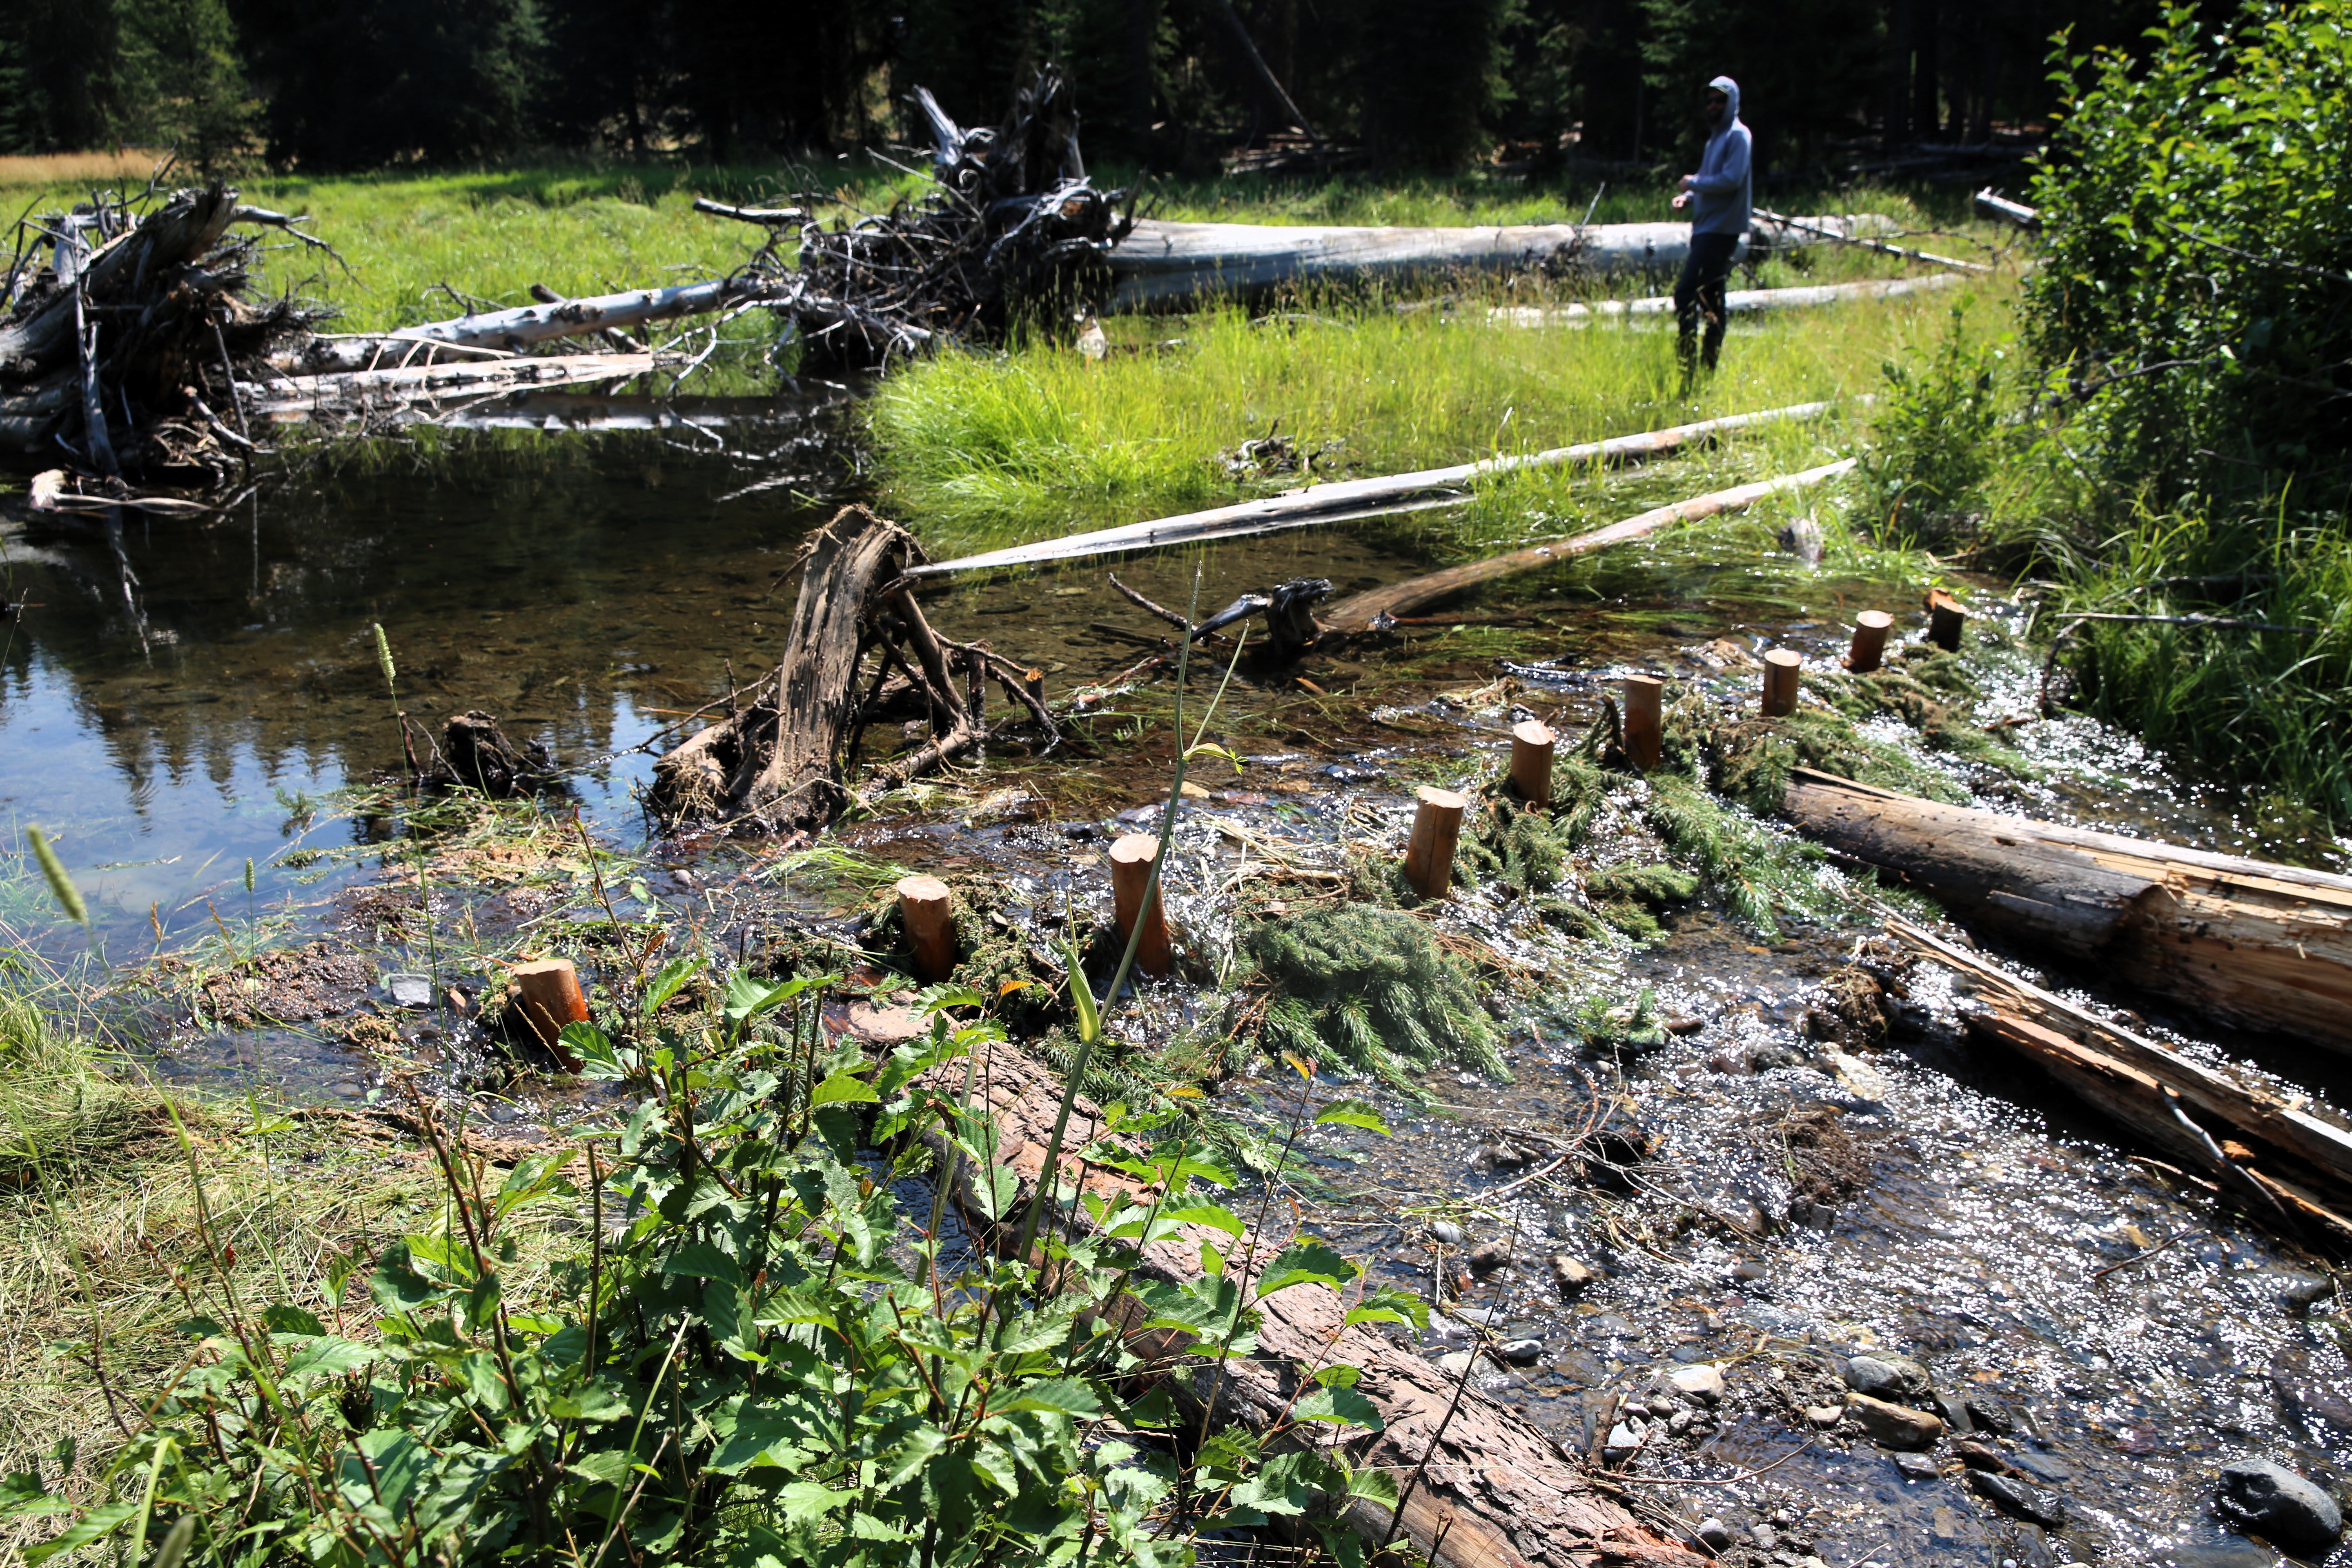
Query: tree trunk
{"x":2250,"y":944}
{"x":1497,"y":1491}
{"x":528,"y":324}
{"x":1173,"y":265}
{"x":184,"y":229}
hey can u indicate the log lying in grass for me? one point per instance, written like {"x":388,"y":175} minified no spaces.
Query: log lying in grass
{"x":528,"y":324}
{"x":1368,"y":611}
{"x":2277,"y":1159}
{"x":1739,"y":302}
{"x":1173,"y":265}
{"x":2248,"y":942}
{"x":1496,"y":1492}
{"x":1351,"y":499}
{"x":1814,"y":226}
{"x":2002,"y":210}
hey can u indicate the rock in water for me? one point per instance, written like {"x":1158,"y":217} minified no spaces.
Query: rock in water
{"x":1570,"y":1276}
{"x":1519,"y":1352}
{"x":1446,"y":1231}
{"x":1701,"y":1381}
{"x":1887,"y":1377}
{"x":2273,"y":1501}
{"x":2013,"y":1497}
{"x":1894,"y":1425}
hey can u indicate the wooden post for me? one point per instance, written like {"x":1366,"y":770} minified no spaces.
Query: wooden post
{"x":927,"y":910}
{"x":1781,"y":667}
{"x":1436,"y":827}
{"x":1035,"y":681}
{"x":1130,"y":871}
{"x":1531,"y":748}
{"x":1869,"y":649}
{"x":1944,"y":620}
{"x":549,"y":996}
{"x":1645,"y":723}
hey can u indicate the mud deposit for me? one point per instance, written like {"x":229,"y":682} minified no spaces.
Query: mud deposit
{"x":1779,"y":1203}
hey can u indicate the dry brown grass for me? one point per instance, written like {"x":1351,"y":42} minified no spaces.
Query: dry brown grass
{"x":39,"y":171}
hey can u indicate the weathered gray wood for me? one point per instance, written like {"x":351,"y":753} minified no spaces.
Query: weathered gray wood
{"x":1497,"y":1492}
{"x":298,"y":399}
{"x":1738,"y":302}
{"x":2246,"y":941}
{"x":1169,"y":266}
{"x":1351,"y":499}
{"x":1369,"y":610}
{"x":2001,"y":209}
{"x":538,"y":323}
{"x":1814,"y":226}
{"x":182,"y":230}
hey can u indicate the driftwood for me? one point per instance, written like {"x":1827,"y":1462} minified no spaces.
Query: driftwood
{"x":1496,"y":1493}
{"x":2245,"y":941}
{"x":1351,"y":499}
{"x":780,"y":764}
{"x":1377,"y":608}
{"x":1176,"y":266}
{"x":1738,"y":302}
{"x":475,"y":753}
{"x":2277,"y":1159}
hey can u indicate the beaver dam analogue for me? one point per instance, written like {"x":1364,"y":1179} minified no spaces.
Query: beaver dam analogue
{"x":1316,"y":909}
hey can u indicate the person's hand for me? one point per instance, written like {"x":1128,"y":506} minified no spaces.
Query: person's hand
{"x":1681,"y":201}
{"x":1688,"y":181}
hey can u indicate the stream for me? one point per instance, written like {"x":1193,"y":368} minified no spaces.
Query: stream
{"x":181,"y":698}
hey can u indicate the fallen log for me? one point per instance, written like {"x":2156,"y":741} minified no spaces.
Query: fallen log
{"x":1175,"y":266}
{"x":2275,"y":1158}
{"x":1496,"y":1492}
{"x":1375,"y":608}
{"x":1353,"y":498}
{"x":2001,"y":209}
{"x":1812,"y":226}
{"x":537,"y":323}
{"x":1738,"y":302}
{"x":2245,"y":941}
{"x":298,"y":399}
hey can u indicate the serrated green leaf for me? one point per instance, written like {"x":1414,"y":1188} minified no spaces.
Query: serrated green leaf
{"x":1353,"y":1114}
{"x":1341,"y":1407}
{"x":844,"y":1087}
{"x":1062,"y":1396}
{"x":1305,"y":1262}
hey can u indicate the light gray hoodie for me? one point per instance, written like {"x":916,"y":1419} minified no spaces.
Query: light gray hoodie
{"x":1720,"y":193}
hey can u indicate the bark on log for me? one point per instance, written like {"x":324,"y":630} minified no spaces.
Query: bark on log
{"x":2002,"y":210}
{"x":528,"y":324}
{"x":2259,"y":945}
{"x":1351,"y":499}
{"x":1497,"y":1492}
{"x":1370,"y":610}
{"x":1814,"y":226}
{"x":2303,"y":1170}
{"x":1173,"y":265}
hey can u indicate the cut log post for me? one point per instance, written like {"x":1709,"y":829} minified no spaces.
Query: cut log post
{"x":1368,"y":610}
{"x":549,"y":996}
{"x":1033,"y":682}
{"x":1944,"y":620}
{"x":2247,"y":942}
{"x":927,"y":910}
{"x":1869,"y":649}
{"x":1496,"y":1492}
{"x":1645,"y":720}
{"x":1351,"y":499}
{"x":1130,"y":877}
{"x":2301,"y":1166}
{"x":2002,"y":210}
{"x":1783,"y":671}
{"x":1532,"y":743}
{"x":1436,"y":829}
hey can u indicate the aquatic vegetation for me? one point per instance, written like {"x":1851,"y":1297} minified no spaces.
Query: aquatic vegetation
{"x":1371,"y":986}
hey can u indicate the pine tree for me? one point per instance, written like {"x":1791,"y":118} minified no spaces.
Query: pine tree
{"x":182,"y":84}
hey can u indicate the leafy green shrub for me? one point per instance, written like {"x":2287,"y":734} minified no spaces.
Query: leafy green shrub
{"x":1936,"y":441}
{"x":756,"y":1359}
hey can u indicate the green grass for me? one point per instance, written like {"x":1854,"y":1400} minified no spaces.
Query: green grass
{"x":984,"y":449}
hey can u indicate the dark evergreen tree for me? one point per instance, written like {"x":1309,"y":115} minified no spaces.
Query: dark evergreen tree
{"x":1426,"y":76}
{"x":182,"y":84}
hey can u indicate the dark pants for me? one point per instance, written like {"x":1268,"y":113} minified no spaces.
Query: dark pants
{"x":1699,"y":293}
